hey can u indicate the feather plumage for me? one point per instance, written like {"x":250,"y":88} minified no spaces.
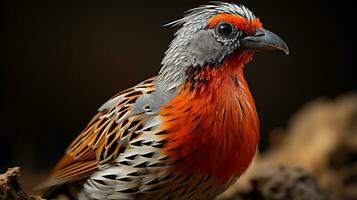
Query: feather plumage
{"x":104,"y":138}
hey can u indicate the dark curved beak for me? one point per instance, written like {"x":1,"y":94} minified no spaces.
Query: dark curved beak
{"x":264,"y":40}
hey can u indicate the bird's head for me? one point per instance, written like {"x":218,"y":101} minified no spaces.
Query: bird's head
{"x":209,"y":36}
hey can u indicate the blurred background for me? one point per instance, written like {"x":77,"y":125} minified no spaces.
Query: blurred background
{"x":61,"y":60}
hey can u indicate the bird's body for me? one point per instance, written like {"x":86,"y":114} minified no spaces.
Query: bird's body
{"x":187,"y":133}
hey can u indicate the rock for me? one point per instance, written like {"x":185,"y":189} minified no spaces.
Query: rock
{"x":10,"y":188}
{"x":281,"y":183}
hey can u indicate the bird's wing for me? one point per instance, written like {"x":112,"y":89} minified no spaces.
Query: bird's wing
{"x":104,"y":138}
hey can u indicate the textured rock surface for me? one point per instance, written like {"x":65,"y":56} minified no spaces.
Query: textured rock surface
{"x":281,"y":183}
{"x":10,"y":188}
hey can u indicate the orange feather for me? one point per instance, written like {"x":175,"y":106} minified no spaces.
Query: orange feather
{"x":249,"y":26}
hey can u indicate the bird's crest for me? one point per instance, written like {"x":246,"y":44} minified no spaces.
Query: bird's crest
{"x":211,"y":9}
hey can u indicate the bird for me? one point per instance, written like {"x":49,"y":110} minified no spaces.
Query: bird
{"x":188,"y":133}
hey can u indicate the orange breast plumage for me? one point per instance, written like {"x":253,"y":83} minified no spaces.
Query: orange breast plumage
{"x":213,"y":128}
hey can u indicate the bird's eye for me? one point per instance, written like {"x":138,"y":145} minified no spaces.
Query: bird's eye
{"x":226,"y":30}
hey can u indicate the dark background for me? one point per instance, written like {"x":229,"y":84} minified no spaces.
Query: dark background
{"x":61,"y":61}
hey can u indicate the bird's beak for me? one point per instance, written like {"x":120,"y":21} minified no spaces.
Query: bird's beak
{"x":264,"y":40}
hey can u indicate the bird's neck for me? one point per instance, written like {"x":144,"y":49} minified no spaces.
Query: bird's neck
{"x":212,"y":125}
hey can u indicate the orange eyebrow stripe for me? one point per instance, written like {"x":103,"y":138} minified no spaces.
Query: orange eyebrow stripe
{"x":239,"y":21}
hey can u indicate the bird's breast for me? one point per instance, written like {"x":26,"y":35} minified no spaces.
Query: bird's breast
{"x":213,"y":131}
